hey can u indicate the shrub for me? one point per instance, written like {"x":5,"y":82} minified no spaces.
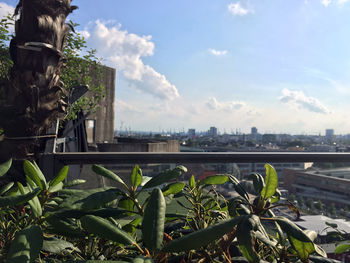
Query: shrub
{"x":149,"y":220}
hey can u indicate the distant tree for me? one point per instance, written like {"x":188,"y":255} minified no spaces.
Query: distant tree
{"x":319,"y":205}
{"x":300,"y":201}
{"x":310,"y":203}
{"x":332,"y":210}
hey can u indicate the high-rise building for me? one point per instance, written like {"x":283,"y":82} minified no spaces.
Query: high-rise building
{"x":213,"y":131}
{"x":329,"y":134}
{"x":191,"y":133}
{"x":254,"y":130}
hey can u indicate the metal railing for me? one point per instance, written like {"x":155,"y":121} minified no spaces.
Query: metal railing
{"x":201,"y":157}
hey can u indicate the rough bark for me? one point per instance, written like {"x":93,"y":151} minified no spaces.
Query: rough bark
{"x":33,"y":93}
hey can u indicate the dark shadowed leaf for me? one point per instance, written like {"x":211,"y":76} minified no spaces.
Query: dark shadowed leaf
{"x":153,"y":221}
{"x":18,"y":199}
{"x":57,"y":246}
{"x":103,"y":228}
{"x":202,"y":237}
{"x":258,"y":181}
{"x":165,"y":177}
{"x":26,"y":246}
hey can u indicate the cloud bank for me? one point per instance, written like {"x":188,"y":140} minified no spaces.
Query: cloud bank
{"x":6,"y":9}
{"x":124,"y":51}
{"x":213,"y":104}
{"x":297,"y":99}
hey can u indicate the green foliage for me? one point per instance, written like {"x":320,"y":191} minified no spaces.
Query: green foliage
{"x":82,"y":67}
{"x":26,"y":246}
{"x":134,"y":223}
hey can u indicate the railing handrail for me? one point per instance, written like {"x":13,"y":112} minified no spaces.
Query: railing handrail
{"x":196,"y":157}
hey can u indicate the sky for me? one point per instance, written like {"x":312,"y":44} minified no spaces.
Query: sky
{"x":279,"y":65}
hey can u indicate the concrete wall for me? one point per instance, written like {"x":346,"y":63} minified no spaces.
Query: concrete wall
{"x":104,"y":116}
{"x":167,"y":146}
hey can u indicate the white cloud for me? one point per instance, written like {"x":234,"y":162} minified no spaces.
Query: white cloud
{"x":297,"y":99}
{"x":326,"y":2}
{"x":124,"y":51}
{"x":237,"y":9}
{"x":213,"y":104}
{"x":340,"y":2}
{"x":122,"y":106}
{"x":6,"y":9}
{"x":217,"y":52}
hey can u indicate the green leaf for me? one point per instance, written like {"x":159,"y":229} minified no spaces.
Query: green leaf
{"x":292,"y":229}
{"x":35,"y":174}
{"x":153,"y":221}
{"x":271,"y":181}
{"x":4,"y":167}
{"x":141,"y":260}
{"x":64,"y":227}
{"x":304,"y":249}
{"x":107,"y":173}
{"x":173,"y":189}
{"x":26,"y":246}
{"x":165,"y":177}
{"x":299,"y":239}
{"x":73,"y":183}
{"x":136,"y":176}
{"x":246,"y":237}
{"x":126,"y":204}
{"x":56,"y":188}
{"x":59,"y":177}
{"x":34,"y":203}
{"x":239,"y":188}
{"x":258,"y":181}
{"x":342,"y":248}
{"x":203,"y":237}
{"x":7,"y":187}
{"x":86,"y":200}
{"x":18,"y":199}
{"x":57,"y":246}
{"x":215,"y":179}
{"x":192,"y":182}
{"x":103,"y":228}
{"x":276,"y":197}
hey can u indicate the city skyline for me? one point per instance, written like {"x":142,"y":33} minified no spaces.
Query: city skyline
{"x":281,"y":66}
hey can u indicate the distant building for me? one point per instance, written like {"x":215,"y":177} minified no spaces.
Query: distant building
{"x":327,"y":185}
{"x":100,"y":124}
{"x":254,"y":131}
{"x":213,"y":131}
{"x":191,"y":133}
{"x":329,"y":135}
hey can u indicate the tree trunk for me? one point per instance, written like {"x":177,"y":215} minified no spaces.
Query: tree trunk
{"x":33,"y":93}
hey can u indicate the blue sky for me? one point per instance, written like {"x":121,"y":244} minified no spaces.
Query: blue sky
{"x":281,"y":65}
